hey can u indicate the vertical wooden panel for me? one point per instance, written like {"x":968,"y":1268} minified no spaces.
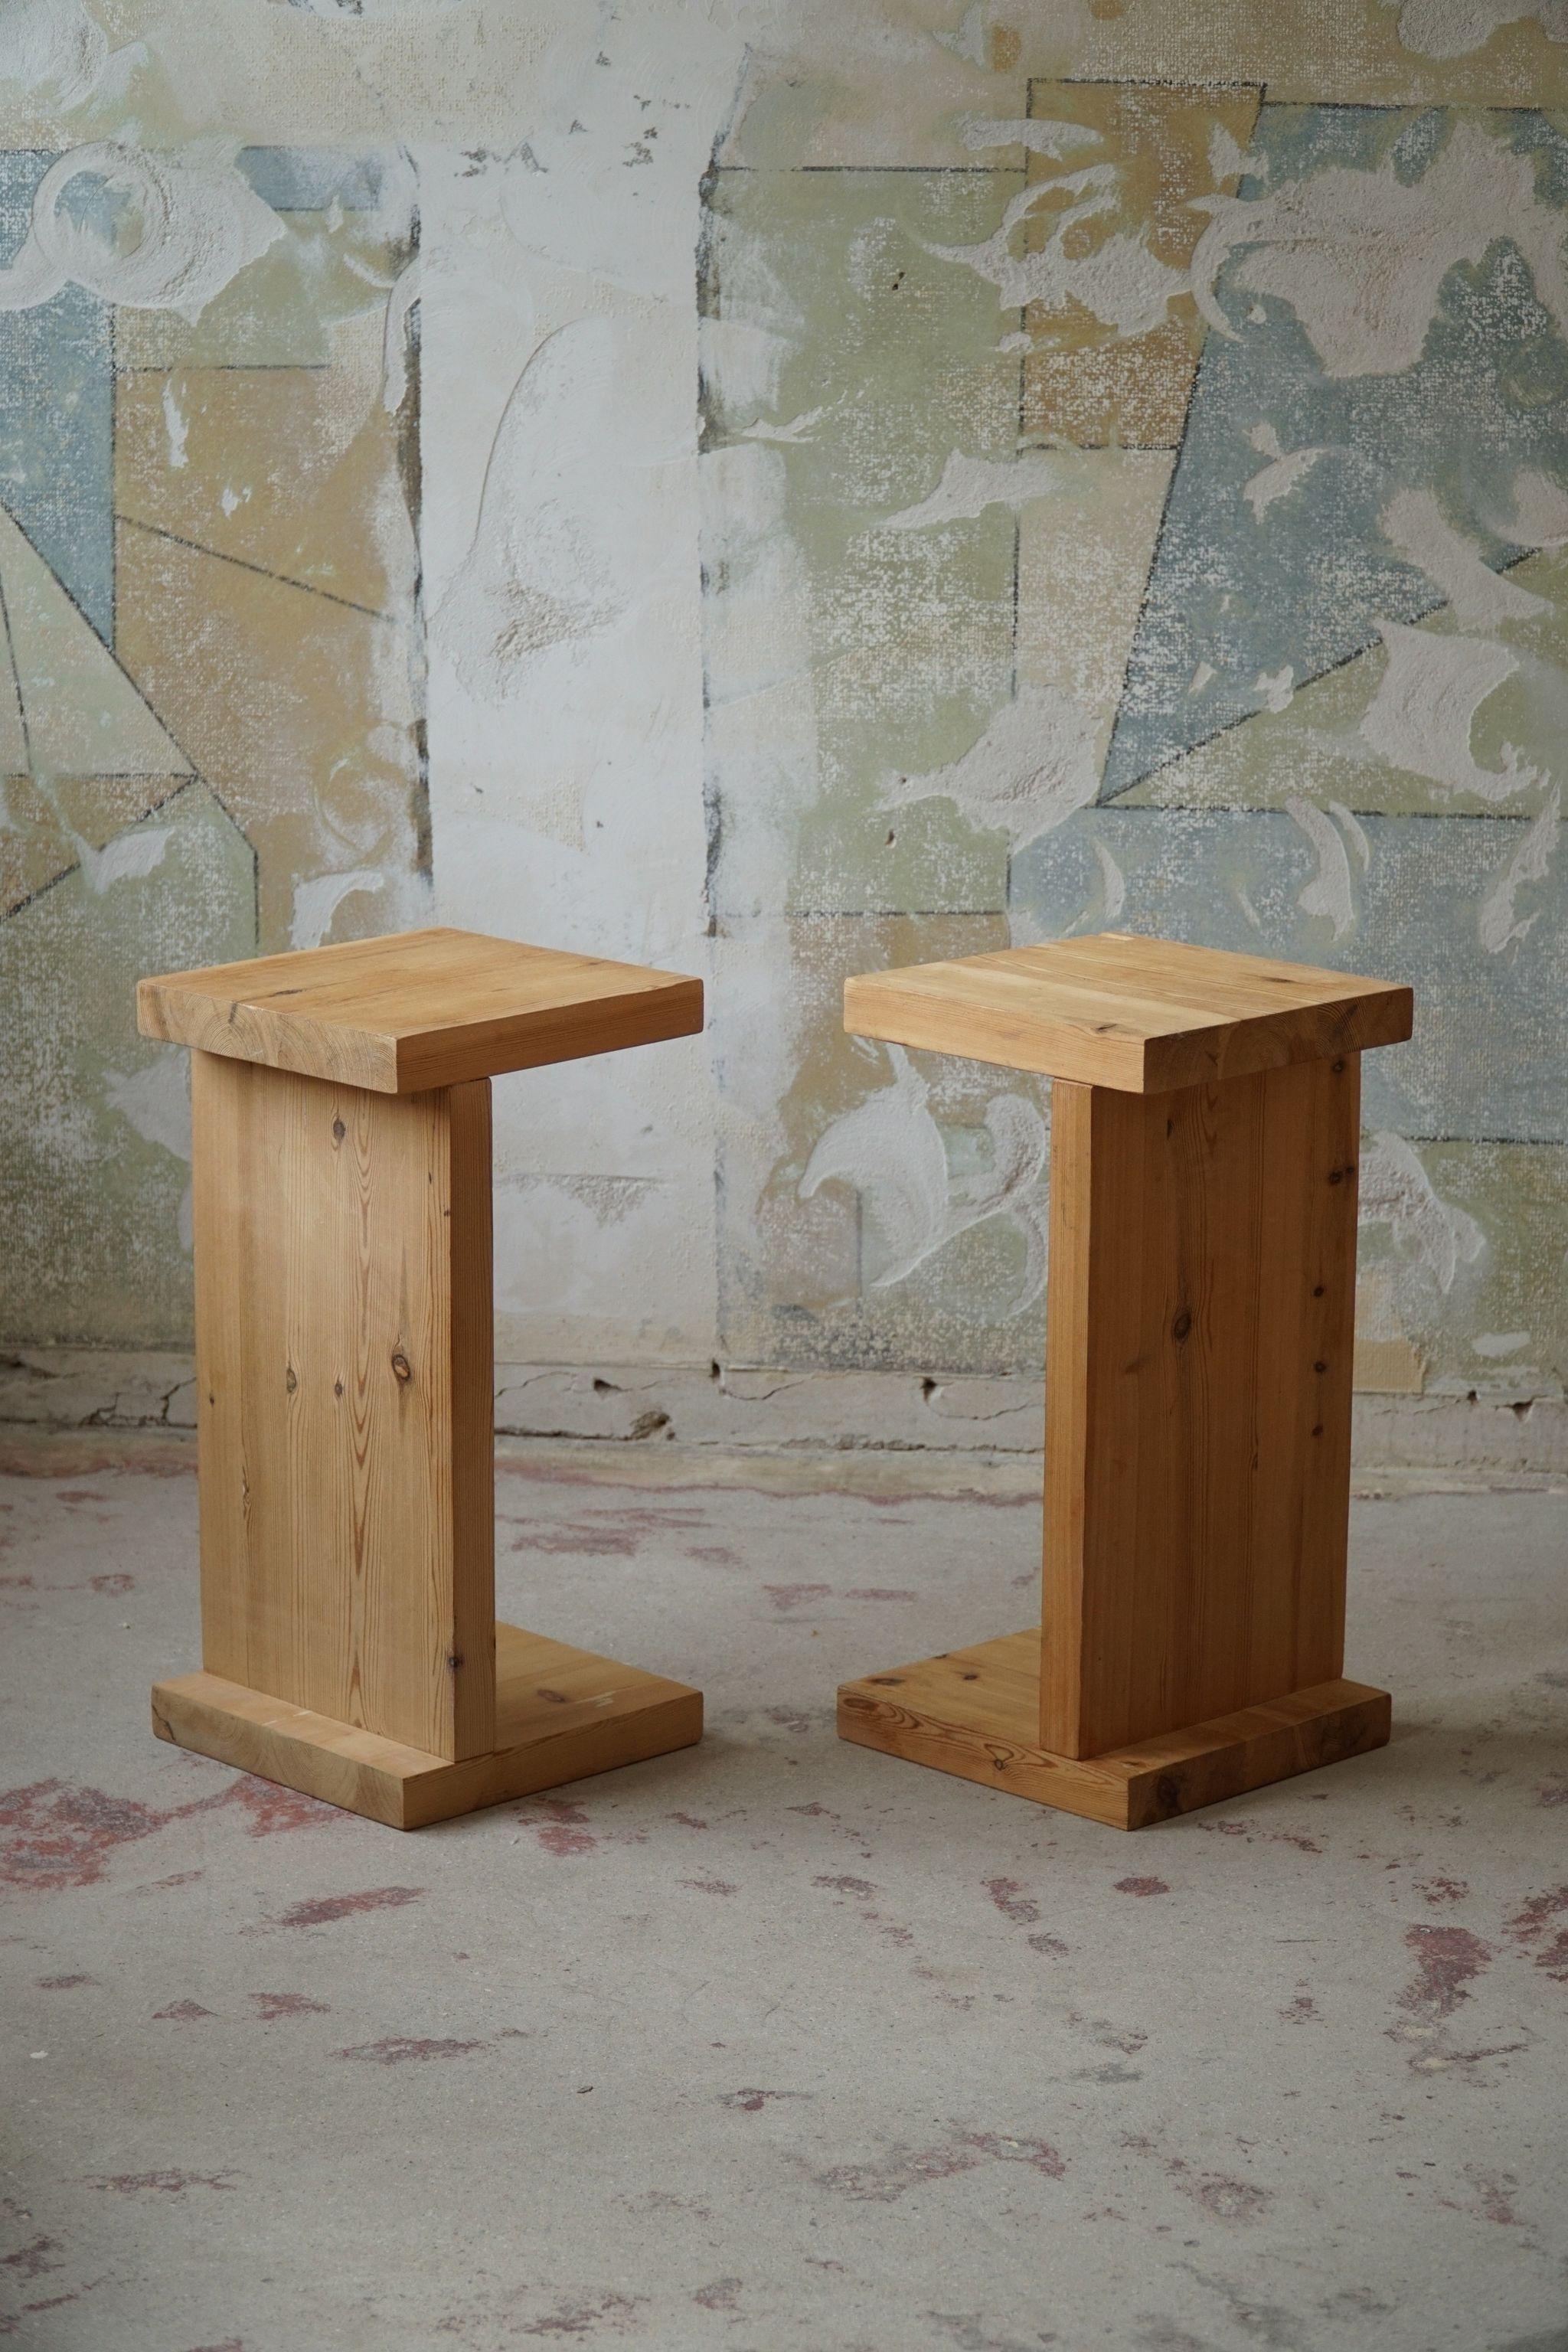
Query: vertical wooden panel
{"x":1097,"y":1188}
{"x":1309,"y":1298}
{"x":1202,"y":1166}
{"x":225,"y":1171}
{"x":343,"y":1341}
{"x":1198,"y":1371}
{"x":470,"y":1450}
{"x":1066,"y":1412}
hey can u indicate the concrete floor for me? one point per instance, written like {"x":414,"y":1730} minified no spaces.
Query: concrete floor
{"x":776,"y":2042}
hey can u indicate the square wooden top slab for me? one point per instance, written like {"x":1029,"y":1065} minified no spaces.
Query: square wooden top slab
{"x":1143,"y":1016}
{"x":418,"y":1009}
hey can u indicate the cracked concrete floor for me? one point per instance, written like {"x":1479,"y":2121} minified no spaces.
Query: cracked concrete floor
{"x":776,"y":2042}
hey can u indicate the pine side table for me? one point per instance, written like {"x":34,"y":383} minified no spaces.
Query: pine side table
{"x":341,"y":1150}
{"x":1204,"y":1131}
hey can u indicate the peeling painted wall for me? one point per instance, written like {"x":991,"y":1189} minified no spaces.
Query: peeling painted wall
{"x":772,"y":491}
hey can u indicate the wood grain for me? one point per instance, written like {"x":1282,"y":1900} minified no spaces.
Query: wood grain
{"x":415,"y":1010}
{"x":975,"y":1713}
{"x":1143,"y":1015}
{"x":1198,"y":1400}
{"x":562,"y":1714}
{"x":345,"y":1371}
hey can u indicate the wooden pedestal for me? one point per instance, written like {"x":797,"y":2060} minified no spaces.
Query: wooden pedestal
{"x":1204,"y":1125}
{"x":341,"y":1196}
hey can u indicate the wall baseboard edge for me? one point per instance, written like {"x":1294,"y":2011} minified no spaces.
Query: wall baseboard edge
{"x":102,"y":1388}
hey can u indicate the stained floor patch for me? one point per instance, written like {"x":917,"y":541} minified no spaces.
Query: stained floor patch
{"x":777,"y":2042}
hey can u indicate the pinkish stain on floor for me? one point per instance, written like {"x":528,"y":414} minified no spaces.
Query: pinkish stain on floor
{"x":1446,"y":1961}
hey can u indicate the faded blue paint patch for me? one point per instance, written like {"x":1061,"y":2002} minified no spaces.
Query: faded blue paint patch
{"x":1489,"y":1056}
{"x":56,"y":414}
{"x":309,"y":179}
{"x":1236,"y":595}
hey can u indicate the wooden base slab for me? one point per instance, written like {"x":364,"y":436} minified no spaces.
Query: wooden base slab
{"x":560,"y":1715}
{"x":978,"y":1713}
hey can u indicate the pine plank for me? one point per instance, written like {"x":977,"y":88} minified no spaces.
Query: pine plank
{"x":561,"y":1714}
{"x":1143,"y":1015}
{"x":343,"y":1353}
{"x":1198,"y":1399}
{"x":416,"y":1010}
{"x":975,"y":1713}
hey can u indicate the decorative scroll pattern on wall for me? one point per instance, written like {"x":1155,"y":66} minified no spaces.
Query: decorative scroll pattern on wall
{"x":1156,"y":521}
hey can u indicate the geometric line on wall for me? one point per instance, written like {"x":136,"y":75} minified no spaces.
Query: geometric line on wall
{"x":78,"y":713}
